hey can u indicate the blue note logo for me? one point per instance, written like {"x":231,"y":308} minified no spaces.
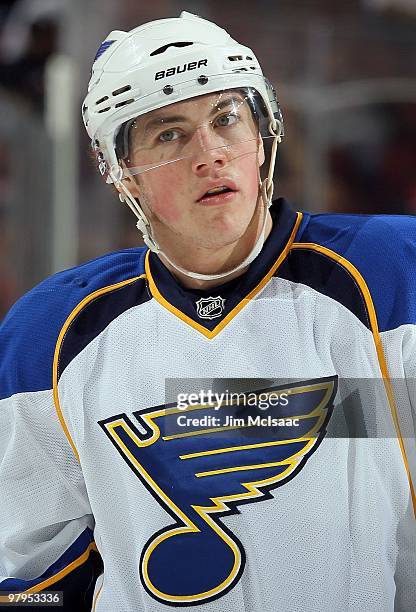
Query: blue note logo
{"x":199,"y":476}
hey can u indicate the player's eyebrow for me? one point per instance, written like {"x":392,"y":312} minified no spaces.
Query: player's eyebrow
{"x":163,"y":120}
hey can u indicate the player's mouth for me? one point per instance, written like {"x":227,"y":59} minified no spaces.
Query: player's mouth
{"x":218,"y":194}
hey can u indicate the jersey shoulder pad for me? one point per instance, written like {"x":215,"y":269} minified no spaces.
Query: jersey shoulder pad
{"x":30,"y":330}
{"x":383,"y":250}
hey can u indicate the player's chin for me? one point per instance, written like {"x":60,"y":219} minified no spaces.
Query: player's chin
{"x":227,"y":229}
{"x":220,"y":240}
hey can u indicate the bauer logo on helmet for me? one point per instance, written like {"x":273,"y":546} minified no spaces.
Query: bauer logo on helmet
{"x":178,"y":69}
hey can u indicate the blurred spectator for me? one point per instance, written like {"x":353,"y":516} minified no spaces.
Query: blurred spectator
{"x":28,"y":38}
{"x":378,"y":177}
{"x":23,"y":14}
{"x":9,"y":288}
{"x":397,"y":169}
{"x":5,"y":6}
{"x":401,"y":6}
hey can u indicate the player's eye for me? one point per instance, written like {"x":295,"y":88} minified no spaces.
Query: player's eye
{"x":168,"y":135}
{"x":226,"y":120}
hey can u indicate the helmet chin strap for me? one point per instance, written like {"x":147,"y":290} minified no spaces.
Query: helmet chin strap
{"x":143,"y":224}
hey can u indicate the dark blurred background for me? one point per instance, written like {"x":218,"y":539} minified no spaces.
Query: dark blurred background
{"x":345,"y":76}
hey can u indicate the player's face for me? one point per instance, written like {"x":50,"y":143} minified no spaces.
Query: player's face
{"x":217,"y":147}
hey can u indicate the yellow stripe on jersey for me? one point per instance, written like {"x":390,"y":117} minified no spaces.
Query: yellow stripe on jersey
{"x":74,"y":313}
{"x":359,"y":279}
{"x":59,"y":575}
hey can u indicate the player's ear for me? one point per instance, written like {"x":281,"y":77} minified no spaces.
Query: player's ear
{"x":260,"y":156}
{"x":130,"y":182}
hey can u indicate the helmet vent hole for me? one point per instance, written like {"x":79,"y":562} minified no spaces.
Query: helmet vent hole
{"x":124,"y":103}
{"x":117,"y":92}
{"x":104,"y":110}
{"x":235,"y":58}
{"x":102,"y":100}
{"x":165,"y":47}
{"x":249,"y":58}
{"x":241,"y":70}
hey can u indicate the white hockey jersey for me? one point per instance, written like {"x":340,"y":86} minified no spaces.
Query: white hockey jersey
{"x":113,"y":493}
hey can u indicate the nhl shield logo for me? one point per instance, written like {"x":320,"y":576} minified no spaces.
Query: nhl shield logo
{"x":210,"y":308}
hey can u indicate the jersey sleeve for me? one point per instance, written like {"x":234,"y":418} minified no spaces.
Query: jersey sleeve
{"x":405,"y":574}
{"x":46,"y":522}
{"x":382,"y":248}
{"x":388,"y":264}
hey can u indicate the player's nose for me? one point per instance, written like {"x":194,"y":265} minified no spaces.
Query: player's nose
{"x":210,"y":152}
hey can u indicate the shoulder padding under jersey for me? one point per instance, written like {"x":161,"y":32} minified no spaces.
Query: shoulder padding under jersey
{"x":383,"y":249}
{"x":30,"y":330}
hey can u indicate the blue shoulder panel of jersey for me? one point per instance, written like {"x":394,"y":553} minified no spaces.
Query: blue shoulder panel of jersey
{"x":383,"y":249}
{"x":30,"y":330}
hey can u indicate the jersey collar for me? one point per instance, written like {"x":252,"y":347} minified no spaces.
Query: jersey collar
{"x":209,"y":311}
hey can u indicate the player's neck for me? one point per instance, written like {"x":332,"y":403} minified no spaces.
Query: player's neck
{"x":215,"y":263}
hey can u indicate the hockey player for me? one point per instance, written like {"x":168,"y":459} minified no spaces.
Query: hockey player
{"x":222,"y":420}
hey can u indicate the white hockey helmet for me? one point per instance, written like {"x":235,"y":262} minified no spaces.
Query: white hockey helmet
{"x":158,"y":64}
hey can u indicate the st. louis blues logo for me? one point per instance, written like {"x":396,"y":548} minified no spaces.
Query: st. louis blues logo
{"x":204,"y":473}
